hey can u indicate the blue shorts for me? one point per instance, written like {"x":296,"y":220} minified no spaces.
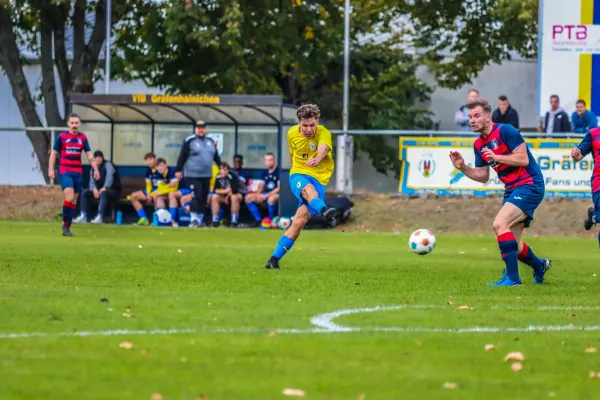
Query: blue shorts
{"x":527,"y":198}
{"x":185,"y":191}
{"x":596,"y":198}
{"x":297,"y":183}
{"x":71,"y":180}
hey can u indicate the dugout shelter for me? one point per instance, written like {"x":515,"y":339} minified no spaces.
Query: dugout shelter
{"x":125,"y":127}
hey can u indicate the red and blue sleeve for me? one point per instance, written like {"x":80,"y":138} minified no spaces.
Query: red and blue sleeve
{"x":586,"y":145}
{"x":57,"y":144}
{"x":479,"y":161}
{"x":86,"y":145}
{"x":511,"y":137}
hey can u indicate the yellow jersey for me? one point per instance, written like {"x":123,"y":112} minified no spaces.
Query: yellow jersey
{"x":303,"y":149}
{"x":215,"y":172}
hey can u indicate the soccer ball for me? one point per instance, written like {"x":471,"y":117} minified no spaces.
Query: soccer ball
{"x":421,"y":242}
{"x":275,"y":223}
{"x":266,"y":223}
{"x":284,"y":222}
{"x":163,"y":216}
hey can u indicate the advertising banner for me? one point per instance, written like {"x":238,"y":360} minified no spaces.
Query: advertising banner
{"x":569,"y":39}
{"x":427,"y":169}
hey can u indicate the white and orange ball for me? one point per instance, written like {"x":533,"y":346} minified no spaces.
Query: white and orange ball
{"x":421,"y":242}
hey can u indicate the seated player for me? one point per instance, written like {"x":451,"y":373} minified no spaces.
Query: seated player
{"x":503,"y":148}
{"x":144,"y":196}
{"x":226,"y":192}
{"x":312,"y":166}
{"x":166,"y":184}
{"x":591,"y":145}
{"x":238,"y":169}
{"x":268,"y":191}
{"x":183,"y":196}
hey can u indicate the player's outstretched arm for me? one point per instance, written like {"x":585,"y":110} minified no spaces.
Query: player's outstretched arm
{"x":478,"y":174}
{"x":518,"y":158}
{"x":322,"y":151}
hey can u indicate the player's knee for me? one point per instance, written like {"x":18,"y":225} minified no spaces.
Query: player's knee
{"x":308,"y":190}
{"x":500,"y":226}
{"x":69,"y":197}
{"x":273,"y":200}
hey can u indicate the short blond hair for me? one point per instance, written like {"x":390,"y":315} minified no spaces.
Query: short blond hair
{"x":308,"y":111}
{"x":479,"y":102}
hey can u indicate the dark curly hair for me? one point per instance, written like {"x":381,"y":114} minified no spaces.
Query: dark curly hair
{"x":308,"y":111}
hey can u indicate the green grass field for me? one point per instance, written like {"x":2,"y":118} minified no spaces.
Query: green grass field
{"x":206,"y":318}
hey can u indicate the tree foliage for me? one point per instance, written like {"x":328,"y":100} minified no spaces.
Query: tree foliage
{"x":41,"y":26}
{"x":473,"y":33}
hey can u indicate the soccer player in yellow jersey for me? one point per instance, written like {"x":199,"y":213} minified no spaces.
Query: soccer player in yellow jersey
{"x":312,"y":166}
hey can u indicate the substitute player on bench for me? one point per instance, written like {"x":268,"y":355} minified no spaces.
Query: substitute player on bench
{"x":68,"y":147}
{"x":312,"y":166}
{"x":503,"y":148}
{"x":591,"y":144}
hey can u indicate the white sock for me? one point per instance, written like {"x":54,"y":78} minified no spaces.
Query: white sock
{"x":194,"y":216}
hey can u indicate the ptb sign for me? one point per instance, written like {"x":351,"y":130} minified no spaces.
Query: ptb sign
{"x":569,"y":32}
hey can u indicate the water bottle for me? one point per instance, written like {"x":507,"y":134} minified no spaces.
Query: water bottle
{"x":119,"y":217}
{"x":155,"y":220}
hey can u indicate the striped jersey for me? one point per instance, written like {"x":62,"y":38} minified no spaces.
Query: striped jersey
{"x":69,"y":147}
{"x":503,"y":140}
{"x":591,"y":145}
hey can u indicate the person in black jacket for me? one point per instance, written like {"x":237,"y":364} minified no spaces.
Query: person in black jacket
{"x":557,"y":120}
{"x":505,"y":114}
{"x":105,"y":189}
{"x":195,"y":163}
{"x":227,"y":191}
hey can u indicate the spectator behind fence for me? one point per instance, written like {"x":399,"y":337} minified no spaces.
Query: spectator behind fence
{"x":556,"y":119}
{"x":462,"y":115}
{"x":505,"y":114}
{"x":268,"y":191}
{"x":583,"y":120}
{"x":105,"y":189}
{"x":226,"y":191}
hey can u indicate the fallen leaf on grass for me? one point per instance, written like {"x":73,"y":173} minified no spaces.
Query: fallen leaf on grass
{"x":594,"y":374}
{"x":450,"y":302}
{"x":562,"y":343}
{"x":362,"y":396}
{"x":551,"y":394}
{"x":590,"y":350}
{"x":202,"y":397}
{"x":127,"y":345}
{"x":489,"y":347}
{"x":514,"y":356}
{"x":272,"y":334}
{"x":451,"y":385}
{"x":465,"y":308}
{"x":157,"y":396}
{"x":293,"y":392}
{"x":516,"y":366}
{"x":85,"y":266}
{"x":127,"y":315}
{"x":140,"y":246}
{"x":145,"y":353}
{"x":179,"y":250}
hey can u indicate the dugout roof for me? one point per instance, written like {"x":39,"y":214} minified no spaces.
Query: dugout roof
{"x":183,"y":109}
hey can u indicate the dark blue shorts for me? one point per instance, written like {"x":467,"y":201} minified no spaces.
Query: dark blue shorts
{"x":297,"y":183}
{"x":71,"y":180}
{"x":596,"y":198}
{"x":527,"y":198}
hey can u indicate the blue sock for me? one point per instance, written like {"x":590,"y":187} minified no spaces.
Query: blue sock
{"x":141,"y":213}
{"x":84,"y":214}
{"x":234,"y":218}
{"x":510,"y":254}
{"x":221,"y":212}
{"x":317,"y":204}
{"x":173,"y":211}
{"x":186,"y":205}
{"x":285,"y":244}
{"x":272,"y":210}
{"x":528,"y":257}
{"x":253,"y":208}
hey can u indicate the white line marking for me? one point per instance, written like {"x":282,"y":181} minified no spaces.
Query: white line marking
{"x":324,"y":324}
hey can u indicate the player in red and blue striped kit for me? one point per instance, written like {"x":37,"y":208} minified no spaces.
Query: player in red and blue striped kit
{"x":68,"y":147}
{"x":591,"y":145}
{"x":503,"y":148}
